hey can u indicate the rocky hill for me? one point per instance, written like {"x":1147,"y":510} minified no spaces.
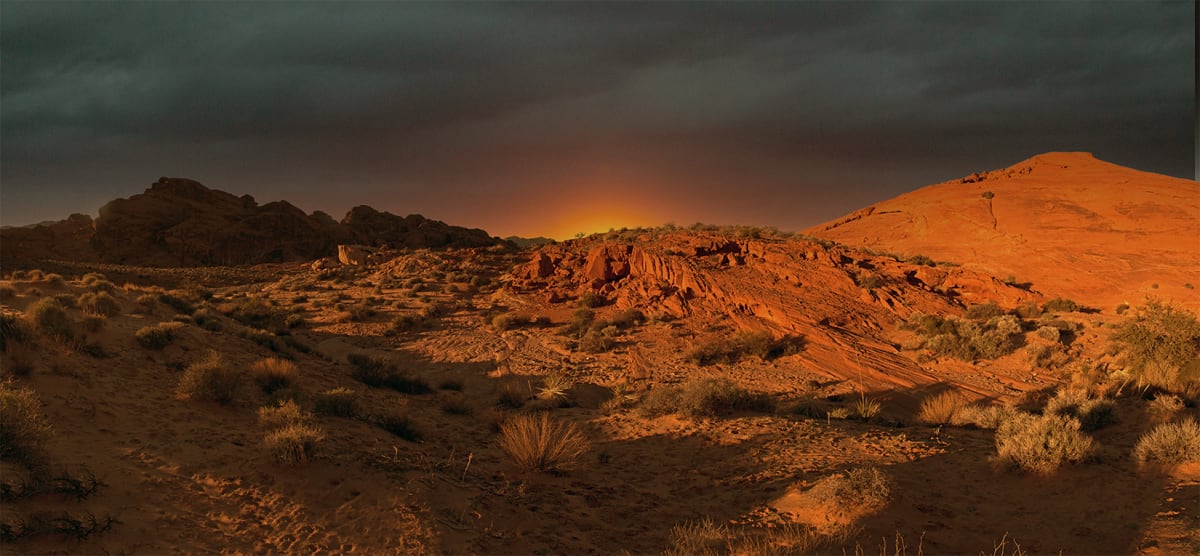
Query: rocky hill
{"x":1062,"y":223}
{"x":179,"y":222}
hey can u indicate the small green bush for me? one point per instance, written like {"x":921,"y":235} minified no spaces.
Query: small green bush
{"x":1160,"y":347}
{"x":1170,"y":443}
{"x":1040,"y":444}
{"x":210,"y":379}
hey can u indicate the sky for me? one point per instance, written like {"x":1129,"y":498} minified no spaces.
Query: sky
{"x":554,"y":118}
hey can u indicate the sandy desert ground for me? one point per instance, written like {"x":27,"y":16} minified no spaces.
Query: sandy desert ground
{"x":943,"y":373}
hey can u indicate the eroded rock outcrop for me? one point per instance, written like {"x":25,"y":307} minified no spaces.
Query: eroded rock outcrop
{"x":180,"y":222}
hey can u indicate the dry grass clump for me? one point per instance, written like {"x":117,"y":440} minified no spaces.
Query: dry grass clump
{"x":13,"y":331}
{"x":295,"y":443}
{"x":1170,"y":443}
{"x":282,"y":415}
{"x":1164,"y":406}
{"x":706,"y":397}
{"x":49,"y":317}
{"x":703,"y":537}
{"x":210,"y":379}
{"x":158,"y":336}
{"x":399,"y":424}
{"x":982,"y":416}
{"x":23,"y":428}
{"x":338,"y":402}
{"x":942,"y":408}
{"x":539,"y":443}
{"x":271,"y":374}
{"x":1040,"y":444}
{"x":100,"y":304}
{"x":853,"y":492}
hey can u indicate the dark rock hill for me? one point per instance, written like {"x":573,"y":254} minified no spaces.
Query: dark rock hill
{"x":179,"y":222}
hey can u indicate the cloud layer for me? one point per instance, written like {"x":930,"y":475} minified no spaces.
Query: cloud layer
{"x":503,"y":115}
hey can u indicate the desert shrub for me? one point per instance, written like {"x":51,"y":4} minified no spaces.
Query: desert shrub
{"x":1170,"y":443}
{"x":941,"y":408}
{"x":1122,"y":308}
{"x":984,"y":311}
{"x":730,"y":350}
{"x":210,"y":379}
{"x":694,"y":538}
{"x":539,"y":443}
{"x":294,"y":320}
{"x":1092,"y":413}
{"x":598,"y":341}
{"x":48,"y":316}
{"x":176,"y":302}
{"x":1048,"y":333}
{"x":286,"y":413}
{"x":854,"y":491}
{"x":157,"y":336}
{"x":1040,"y":444}
{"x":54,"y":280}
{"x":705,"y":397}
{"x":512,"y":396}
{"x":271,"y":374}
{"x":92,"y":278}
{"x":355,"y":313}
{"x":457,"y":406}
{"x":1027,"y":311}
{"x":1060,"y":305}
{"x":982,"y":416}
{"x":264,"y":338}
{"x":338,"y":402}
{"x":1160,"y":347}
{"x":23,"y":428}
{"x":13,"y":330}
{"x":295,"y":443}
{"x":967,"y":339}
{"x":628,"y":318}
{"x":503,"y":321}
{"x":378,"y":372}
{"x":67,"y":300}
{"x":1165,"y":406}
{"x":920,"y":260}
{"x":258,"y":313}
{"x":592,"y":300}
{"x":398,"y":424}
{"x":92,"y":323}
{"x":868,"y":280}
{"x":102,"y":304}
{"x":19,"y":275}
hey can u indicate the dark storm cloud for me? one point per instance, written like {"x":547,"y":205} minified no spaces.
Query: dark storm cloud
{"x":280,"y":99}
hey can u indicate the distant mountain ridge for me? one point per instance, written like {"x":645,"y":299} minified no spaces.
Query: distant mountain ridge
{"x":180,"y":222}
{"x":1065,"y":222}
